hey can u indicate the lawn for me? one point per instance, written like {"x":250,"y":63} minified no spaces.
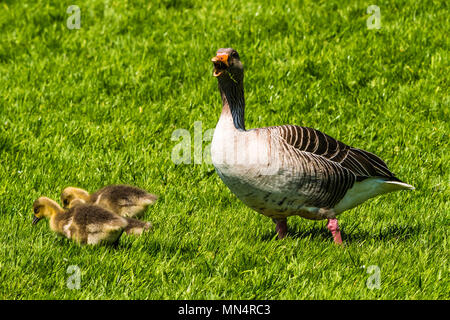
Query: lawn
{"x":99,"y":105}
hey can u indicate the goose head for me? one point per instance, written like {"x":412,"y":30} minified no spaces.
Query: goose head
{"x":228,"y":66}
{"x":44,"y":207}
{"x":69,"y":194}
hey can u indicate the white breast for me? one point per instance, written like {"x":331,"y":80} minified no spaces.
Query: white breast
{"x":248,"y":162}
{"x":245,"y":155}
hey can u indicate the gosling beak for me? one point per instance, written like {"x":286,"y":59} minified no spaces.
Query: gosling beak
{"x":35,"y":220}
{"x":220,"y":62}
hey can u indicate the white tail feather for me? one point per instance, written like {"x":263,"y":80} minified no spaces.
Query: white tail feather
{"x":366,"y":189}
{"x":396,"y":185}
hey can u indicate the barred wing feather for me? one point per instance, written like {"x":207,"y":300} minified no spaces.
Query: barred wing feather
{"x":361,"y":163}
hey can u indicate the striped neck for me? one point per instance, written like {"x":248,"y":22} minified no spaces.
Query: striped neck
{"x":233,"y":102}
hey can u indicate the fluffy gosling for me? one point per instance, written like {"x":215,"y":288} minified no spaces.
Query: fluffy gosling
{"x":134,"y":226}
{"x":83,"y":223}
{"x":125,"y":200}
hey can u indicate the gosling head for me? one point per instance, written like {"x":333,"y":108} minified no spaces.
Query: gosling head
{"x":44,"y":207}
{"x":69,"y":194}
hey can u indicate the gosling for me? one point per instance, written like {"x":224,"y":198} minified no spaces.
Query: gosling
{"x":125,"y":200}
{"x":135,"y":227}
{"x":83,"y":223}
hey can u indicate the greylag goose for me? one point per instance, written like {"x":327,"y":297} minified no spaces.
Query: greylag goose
{"x":125,"y":200}
{"x":289,"y":170}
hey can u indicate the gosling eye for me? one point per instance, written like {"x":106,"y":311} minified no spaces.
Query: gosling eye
{"x":66,"y":202}
{"x":36,"y":210}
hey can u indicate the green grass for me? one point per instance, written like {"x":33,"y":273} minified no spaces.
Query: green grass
{"x":70,"y":114}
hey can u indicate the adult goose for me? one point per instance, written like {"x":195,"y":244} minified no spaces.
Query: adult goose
{"x":289,"y":170}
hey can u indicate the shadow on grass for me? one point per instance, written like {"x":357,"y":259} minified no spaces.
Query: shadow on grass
{"x":153,"y":247}
{"x":355,"y":235}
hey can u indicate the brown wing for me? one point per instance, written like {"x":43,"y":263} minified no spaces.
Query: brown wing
{"x":87,"y":214}
{"x":360,"y":162}
{"x":121,"y":194}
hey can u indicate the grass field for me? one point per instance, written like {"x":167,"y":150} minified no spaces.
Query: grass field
{"x":98,"y":105}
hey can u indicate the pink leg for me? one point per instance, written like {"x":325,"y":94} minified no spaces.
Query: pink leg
{"x":281,"y":228}
{"x":333,"y":226}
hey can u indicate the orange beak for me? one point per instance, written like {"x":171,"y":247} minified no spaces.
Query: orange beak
{"x":220,"y":63}
{"x":221,"y":57}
